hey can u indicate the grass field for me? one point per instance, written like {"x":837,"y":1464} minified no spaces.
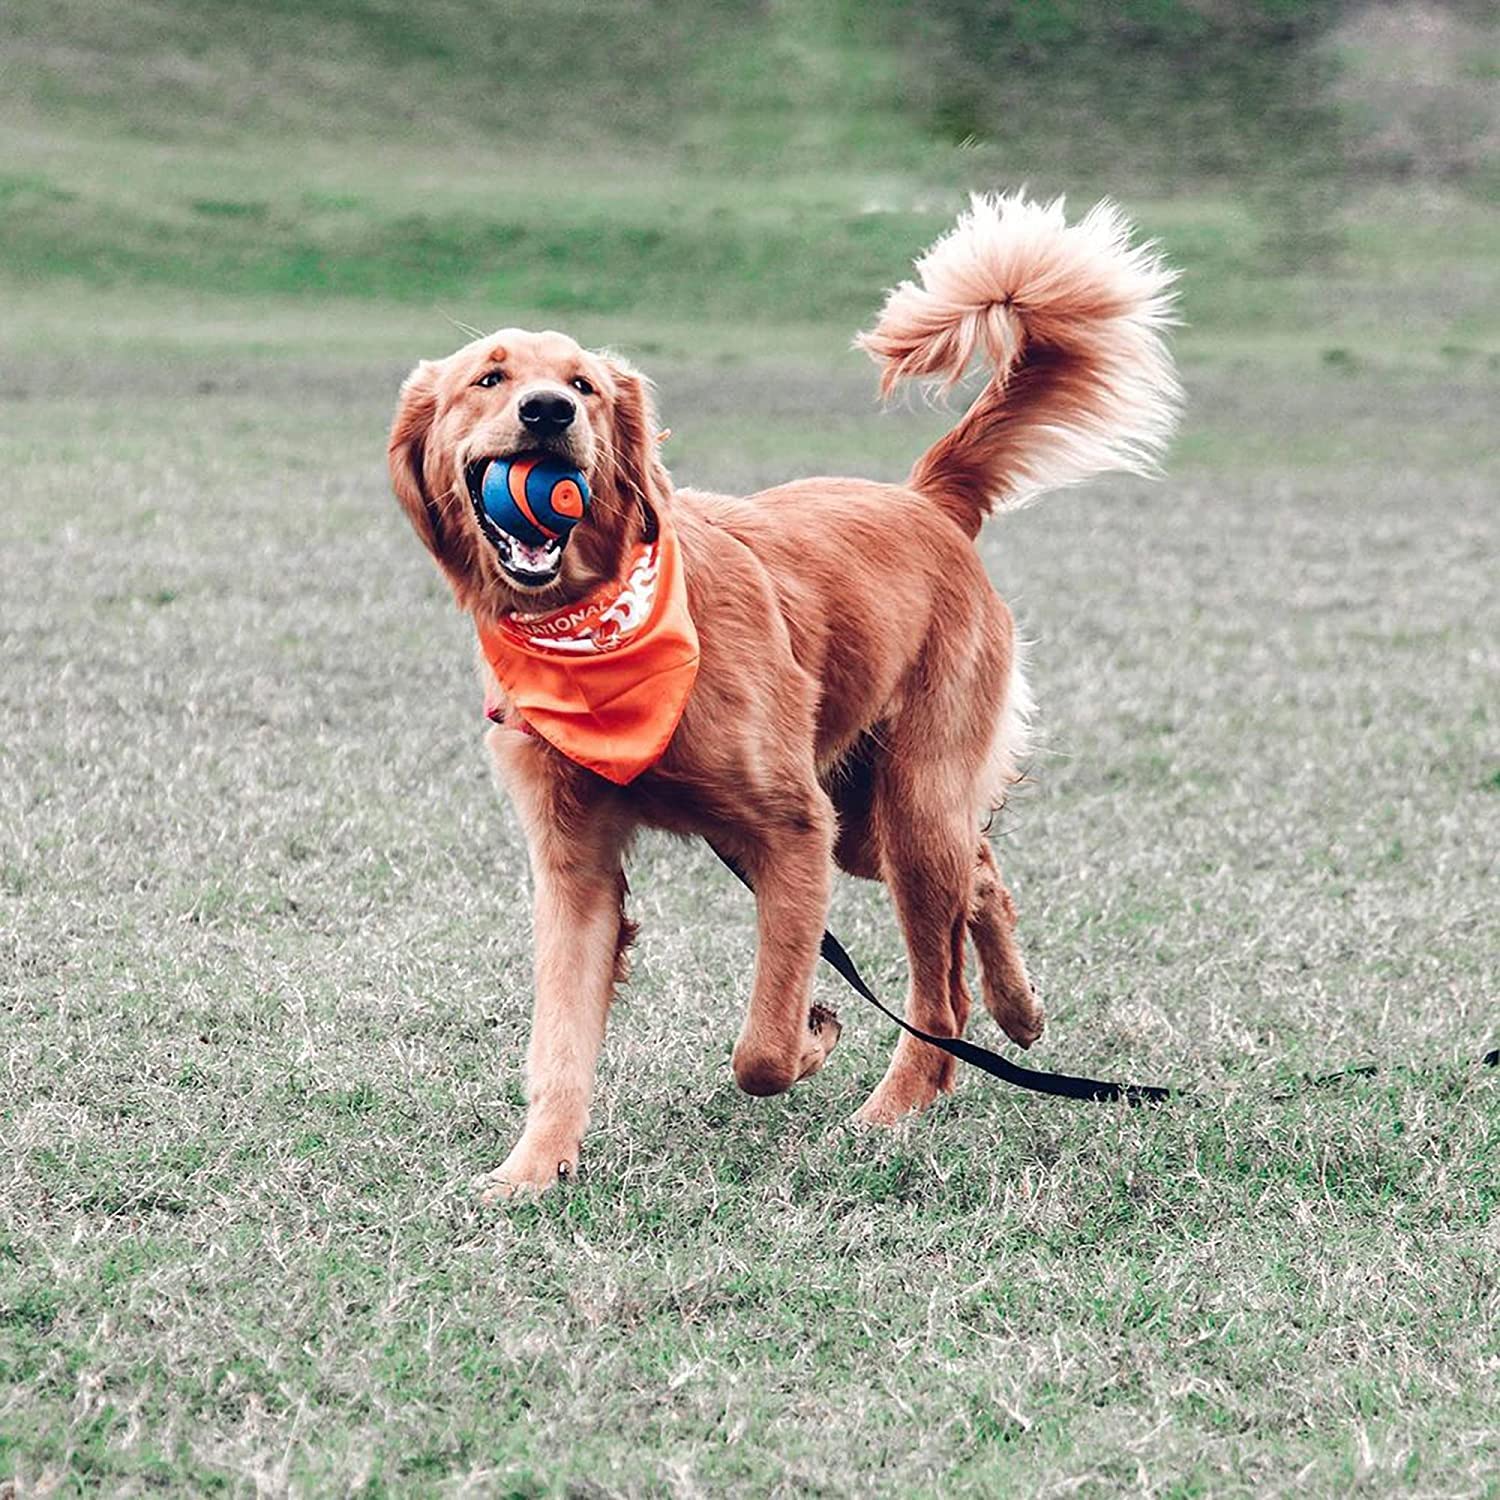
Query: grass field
{"x":264,"y":948}
{"x":266,"y":972}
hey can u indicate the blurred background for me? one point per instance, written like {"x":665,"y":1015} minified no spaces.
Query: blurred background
{"x":599,"y":160}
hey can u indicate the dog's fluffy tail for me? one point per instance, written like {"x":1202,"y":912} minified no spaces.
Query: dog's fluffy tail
{"x":1068,"y":319}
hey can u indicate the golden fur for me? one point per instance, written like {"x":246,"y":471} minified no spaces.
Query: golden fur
{"x":859,"y":700}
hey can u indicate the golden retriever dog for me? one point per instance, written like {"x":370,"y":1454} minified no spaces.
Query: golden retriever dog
{"x":858,"y":699}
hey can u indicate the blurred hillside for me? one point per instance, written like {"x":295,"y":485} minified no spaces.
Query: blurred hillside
{"x":1165,"y":93}
{"x":584,"y":157}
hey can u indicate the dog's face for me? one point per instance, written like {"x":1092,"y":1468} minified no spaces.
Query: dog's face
{"x":518,"y":393}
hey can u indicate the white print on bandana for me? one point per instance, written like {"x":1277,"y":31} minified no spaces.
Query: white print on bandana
{"x":629,"y":611}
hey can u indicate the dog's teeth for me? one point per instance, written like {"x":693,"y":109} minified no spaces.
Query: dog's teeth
{"x":531,"y":559}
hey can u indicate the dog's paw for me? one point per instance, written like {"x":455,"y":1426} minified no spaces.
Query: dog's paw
{"x":528,"y":1172}
{"x":764,"y":1069}
{"x":1024,"y":1019}
{"x":883,"y":1110}
{"x":903,"y":1092}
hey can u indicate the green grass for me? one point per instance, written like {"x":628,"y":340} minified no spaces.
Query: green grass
{"x":642,"y":257}
{"x":707,"y":166}
{"x":266,"y":960}
{"x":264,"y":951}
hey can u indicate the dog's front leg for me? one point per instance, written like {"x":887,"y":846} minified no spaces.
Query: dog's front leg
{"x":580,"y":933}
{"x":784,"y":1038}
{"x":579,"y":925}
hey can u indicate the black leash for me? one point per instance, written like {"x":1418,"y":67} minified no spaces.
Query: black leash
{"x":1095,"y":1090}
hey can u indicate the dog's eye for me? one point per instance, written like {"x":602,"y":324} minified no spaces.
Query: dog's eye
{"x":490,"y":377}
{"x":582,"y":386}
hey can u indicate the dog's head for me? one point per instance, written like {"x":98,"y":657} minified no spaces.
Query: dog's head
{"x":516,"y":393}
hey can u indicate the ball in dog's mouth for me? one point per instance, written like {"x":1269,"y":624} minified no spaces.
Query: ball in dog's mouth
{"x":527,"y":505}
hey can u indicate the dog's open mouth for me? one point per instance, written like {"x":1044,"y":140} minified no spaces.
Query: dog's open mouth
{"x":526,"y":564}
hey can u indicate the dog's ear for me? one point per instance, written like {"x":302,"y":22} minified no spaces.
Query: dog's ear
{"x":407,"y":454}
{"x":635,"y":462}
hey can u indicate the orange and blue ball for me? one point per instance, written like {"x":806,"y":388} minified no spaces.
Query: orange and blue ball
{"x":535,"y":499}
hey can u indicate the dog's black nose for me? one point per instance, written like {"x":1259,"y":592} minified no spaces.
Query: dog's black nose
{"x":546,"y":413}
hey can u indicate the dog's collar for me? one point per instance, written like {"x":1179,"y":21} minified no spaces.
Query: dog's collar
{"x":604,"y":680}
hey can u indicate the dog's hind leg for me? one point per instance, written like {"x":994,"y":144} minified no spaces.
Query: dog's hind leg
{"x":1007,"y":991}
{"x":927,"y":843}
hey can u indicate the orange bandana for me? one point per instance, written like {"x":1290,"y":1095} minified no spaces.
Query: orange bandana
{"x":605,"y":680}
